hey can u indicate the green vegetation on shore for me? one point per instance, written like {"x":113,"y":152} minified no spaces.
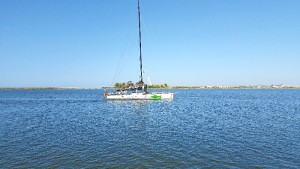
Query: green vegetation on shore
{"x":161,"y":86}
{"x":130,"y":84}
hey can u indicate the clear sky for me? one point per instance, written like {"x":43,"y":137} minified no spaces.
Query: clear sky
{"x":94,"y":43}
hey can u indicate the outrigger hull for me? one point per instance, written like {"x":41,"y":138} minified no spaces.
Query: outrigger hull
{"x":141,"y":96}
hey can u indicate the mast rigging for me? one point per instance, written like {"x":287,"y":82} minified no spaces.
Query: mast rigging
{"x":140,"y":44}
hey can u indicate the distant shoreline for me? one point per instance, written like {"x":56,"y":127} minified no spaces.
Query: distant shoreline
{"x":236,"y":87}
{"x":169,"y":88}
{"x":39,"y":88}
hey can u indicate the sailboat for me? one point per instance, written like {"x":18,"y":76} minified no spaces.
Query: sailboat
{"x":138,"y":91}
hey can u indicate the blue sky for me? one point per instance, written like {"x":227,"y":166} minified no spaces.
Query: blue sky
{"x":94,"y":43}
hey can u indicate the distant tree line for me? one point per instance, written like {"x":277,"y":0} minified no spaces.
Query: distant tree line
{"x":120,"y":85}
{"x":159,"y":86}
{"x":130,"y":85}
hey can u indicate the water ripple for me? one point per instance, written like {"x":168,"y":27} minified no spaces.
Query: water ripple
{"x":198,"y":129}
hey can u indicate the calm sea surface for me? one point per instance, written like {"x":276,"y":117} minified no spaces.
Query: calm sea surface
{"x":200,"y":128}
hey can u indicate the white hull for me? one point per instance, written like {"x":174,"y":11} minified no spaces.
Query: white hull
{"x":140,"y":96}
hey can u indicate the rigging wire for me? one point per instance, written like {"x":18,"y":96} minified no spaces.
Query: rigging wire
{"x":147,"y":32}
{"x":148,"y":39}
{"x":123,"y":58}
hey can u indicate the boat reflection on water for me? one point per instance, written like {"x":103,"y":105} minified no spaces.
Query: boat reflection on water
{"x":136,"y":102}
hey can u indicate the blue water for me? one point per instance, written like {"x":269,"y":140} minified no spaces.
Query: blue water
{"x":200,"y":128}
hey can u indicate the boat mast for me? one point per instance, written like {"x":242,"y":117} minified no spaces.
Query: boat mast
{"x":140,"y":43}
